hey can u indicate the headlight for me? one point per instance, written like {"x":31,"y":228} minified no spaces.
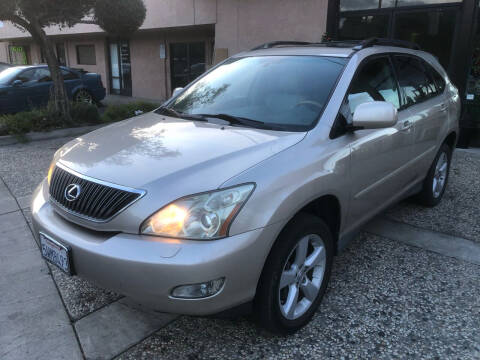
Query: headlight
{"x":50,"y":171}
{"x":202,"y":216}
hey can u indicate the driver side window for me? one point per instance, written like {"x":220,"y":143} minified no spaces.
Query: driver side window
{"x":375,"y":82}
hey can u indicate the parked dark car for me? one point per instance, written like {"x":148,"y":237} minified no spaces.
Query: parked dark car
{"x":4,"y":66}
{"x":25,"y":87}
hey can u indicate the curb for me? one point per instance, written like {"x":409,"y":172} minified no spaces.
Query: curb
{"x":55,"y":134}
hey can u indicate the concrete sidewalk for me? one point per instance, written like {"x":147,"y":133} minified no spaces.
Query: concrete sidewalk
{"x":33,"y":320}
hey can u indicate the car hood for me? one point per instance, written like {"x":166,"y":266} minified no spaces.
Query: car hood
{"x":153,"y":150}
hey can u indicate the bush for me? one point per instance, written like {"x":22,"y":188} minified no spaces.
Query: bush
{"x":125,"y":111}
{"x":46,"y":119}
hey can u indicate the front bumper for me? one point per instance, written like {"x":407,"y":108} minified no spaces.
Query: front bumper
{"x":147,"y":268}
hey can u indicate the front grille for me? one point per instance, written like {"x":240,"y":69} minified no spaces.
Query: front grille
{"x":96,"y":201}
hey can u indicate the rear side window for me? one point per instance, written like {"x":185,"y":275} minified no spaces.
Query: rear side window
{"x":374,"y":82}
{"x":439,"y":79}
{"x":68,"y":75}
{"x":416,"y":83}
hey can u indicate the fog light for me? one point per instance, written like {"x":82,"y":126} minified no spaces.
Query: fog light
{"x":198,"y":291}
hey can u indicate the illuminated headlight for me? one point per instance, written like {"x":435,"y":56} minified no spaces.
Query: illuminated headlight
{"x":203,"y":216}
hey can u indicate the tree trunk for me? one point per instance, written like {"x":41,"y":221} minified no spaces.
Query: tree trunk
{"x":58,"y":94}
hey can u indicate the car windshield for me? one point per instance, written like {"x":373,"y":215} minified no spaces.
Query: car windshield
{"x":8,"y":74}
{"x":285,"y":92}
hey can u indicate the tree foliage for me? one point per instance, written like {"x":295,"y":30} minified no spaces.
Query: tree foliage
{"x":119,"y":18}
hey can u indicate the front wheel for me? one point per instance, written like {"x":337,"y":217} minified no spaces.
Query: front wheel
{"x":295,"y":275}
{"x":436,"y":181}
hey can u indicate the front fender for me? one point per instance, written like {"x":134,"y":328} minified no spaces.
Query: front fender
{"x":292,"y":179}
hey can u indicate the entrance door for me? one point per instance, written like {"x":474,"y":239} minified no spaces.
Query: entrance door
{"x":187,"y":62}
{"x":120,"y":68}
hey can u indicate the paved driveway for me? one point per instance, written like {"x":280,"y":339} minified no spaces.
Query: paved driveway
{"x":407,"y":287}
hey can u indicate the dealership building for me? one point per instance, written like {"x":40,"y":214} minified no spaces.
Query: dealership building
{"x":180,"y":39}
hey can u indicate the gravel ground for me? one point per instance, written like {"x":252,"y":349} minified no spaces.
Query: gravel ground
{"x":25,"y":165}
{"x":80,"y":296}
{"x":386,"y":300}
{"x":457,"y":214}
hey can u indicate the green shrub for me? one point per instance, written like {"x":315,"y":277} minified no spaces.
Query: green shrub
{"x":125,"y":111}
{"x":85,"y":114}
{"x":46,"y":119}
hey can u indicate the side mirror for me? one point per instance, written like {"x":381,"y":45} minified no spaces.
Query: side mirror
{"x":177,"y":91}
{"x":375,"y":115}
{"x":17,"y":83}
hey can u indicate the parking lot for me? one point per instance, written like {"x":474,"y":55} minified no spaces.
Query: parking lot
{"x":407,"y":287}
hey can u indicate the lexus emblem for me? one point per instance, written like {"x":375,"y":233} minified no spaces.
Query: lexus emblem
{"x":72,"y":192}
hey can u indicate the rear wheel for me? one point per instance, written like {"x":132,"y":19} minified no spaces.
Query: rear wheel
{"x":436,"y":181}
{"x":295,"y":275}
{"x":83,"y":96}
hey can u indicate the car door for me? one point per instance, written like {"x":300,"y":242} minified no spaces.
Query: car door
{"x":20,"y":94}
{"x":380,"y":158}
{"x":40,"y":90}
{"x":72,"y":82}
{"x":427,"y":106}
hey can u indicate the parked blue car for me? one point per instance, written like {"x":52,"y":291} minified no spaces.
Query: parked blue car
{"x":27,"y":87}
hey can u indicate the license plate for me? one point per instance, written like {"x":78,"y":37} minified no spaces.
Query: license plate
{"x":56,"y":253}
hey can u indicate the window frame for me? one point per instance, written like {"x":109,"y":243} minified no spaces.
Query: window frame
{"x":360,"y":67}
{"x":79,"y":46}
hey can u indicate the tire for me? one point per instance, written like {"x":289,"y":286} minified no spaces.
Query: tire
{"x":436,"y":181}
{"x":272,"y":304}
{"x":83,"y":96}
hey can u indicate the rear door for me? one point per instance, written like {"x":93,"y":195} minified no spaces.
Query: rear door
{"x":380,"y":158}
{"x":427,"y":106}
{"x":72,"y":81}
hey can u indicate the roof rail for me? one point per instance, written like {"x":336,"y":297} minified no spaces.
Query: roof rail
{"x":270,"y":45}
{"x":386,"y":42}
{"x":341,"y":43}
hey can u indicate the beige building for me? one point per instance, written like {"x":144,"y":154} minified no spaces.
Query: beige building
{"x":179,"y":40}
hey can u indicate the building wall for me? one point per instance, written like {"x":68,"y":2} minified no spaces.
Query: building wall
{"x":243,"y":24}
{"x":101,"y":55}
{"x":150,"y":73}
{"x":4,"y":52}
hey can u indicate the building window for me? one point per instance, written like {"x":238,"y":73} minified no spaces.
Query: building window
{"x":86,"y":55}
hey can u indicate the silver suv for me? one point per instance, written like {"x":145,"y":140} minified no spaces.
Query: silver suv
{"x":243,"y":187}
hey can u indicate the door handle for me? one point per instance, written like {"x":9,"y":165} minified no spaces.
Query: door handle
{"x":407,"y":124}
{"x":443,"y":107}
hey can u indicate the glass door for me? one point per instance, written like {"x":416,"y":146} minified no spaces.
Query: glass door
{"x":120,"y":68}
{"x":187,"y":62}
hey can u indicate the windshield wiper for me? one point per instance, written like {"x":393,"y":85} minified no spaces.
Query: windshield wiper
{"x":238,"y":120}
{"x":167,"y":111}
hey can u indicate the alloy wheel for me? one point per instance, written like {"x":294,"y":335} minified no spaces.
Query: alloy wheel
{"x":440,"y":176}
{"x":302,"y":277}
{"x":84,"y":96}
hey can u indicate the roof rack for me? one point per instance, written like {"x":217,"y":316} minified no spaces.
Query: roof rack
{"x":346,"y":43}
{"x":386,"y":42}
{"x":273,"y":44}
{"x":355,"y":44}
